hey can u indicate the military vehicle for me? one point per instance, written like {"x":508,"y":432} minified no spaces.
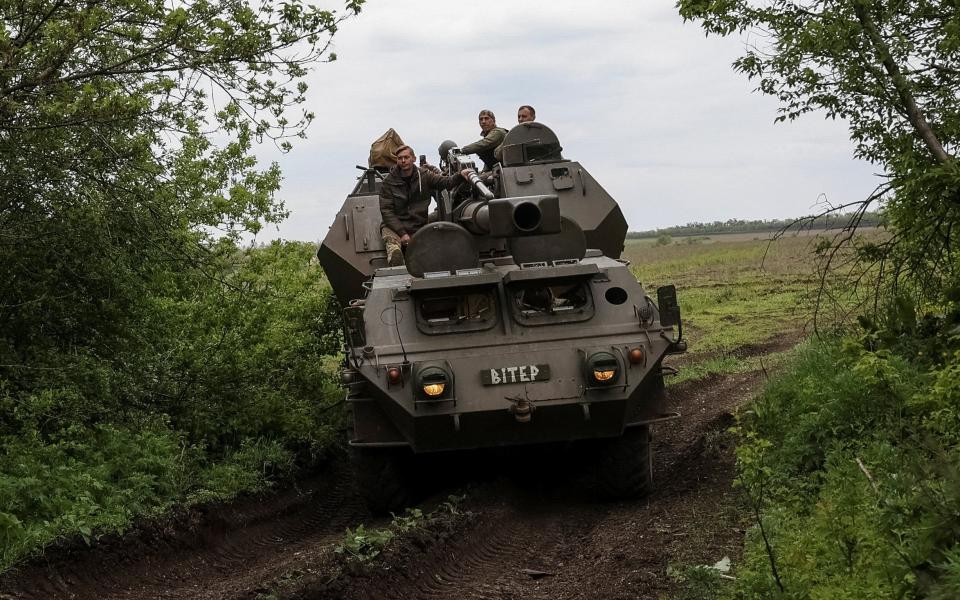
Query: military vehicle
{"x":513,"y":322}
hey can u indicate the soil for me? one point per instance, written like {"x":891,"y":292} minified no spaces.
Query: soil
{"x":522,"y":531}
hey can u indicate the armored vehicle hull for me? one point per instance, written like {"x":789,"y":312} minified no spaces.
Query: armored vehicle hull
{"x":525,"y":375}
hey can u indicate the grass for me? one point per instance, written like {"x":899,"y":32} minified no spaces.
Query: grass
{"x":734,"y":291}
{"x":702,"y":367}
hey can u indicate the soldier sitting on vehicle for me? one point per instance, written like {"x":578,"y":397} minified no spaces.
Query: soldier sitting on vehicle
{"x":526,"y":113}
{"x":491,"y":140}
{"x":405,"y":200}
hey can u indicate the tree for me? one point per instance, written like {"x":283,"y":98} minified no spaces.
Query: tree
{"x":126,"y":136}
{"x":891,"y":71}
{"x":145,"y":359}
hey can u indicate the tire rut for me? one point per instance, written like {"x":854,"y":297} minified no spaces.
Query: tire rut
{"x":514,"y":541}
{"x":491,"y":563}
{"x":561,"y":544}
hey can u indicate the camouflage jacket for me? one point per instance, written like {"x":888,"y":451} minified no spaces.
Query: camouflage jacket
{"x":405,"y":201}
{"x":485,"y":147}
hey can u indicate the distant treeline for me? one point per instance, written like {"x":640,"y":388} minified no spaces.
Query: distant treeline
{"x":870,"y":219}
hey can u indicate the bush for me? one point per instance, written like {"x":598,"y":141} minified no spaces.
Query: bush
{"x":85,"y":480}
{"x":228,"y":384}
{"x":851,"y":462}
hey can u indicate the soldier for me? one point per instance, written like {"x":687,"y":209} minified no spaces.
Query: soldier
{"x":526,"y":113}
{"x":405,"y":199}
{"x":491,"y":140}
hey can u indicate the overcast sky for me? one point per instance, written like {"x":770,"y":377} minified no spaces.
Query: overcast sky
{"x":643,"y":100}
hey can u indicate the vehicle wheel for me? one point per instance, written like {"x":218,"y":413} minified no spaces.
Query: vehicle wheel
{"x":625,"y":465}
{"x":385,"y":478}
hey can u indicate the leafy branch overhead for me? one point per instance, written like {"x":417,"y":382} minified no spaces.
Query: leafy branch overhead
{"x":123,"y":60}
{"x":891,"y":71}
{"x":889,"y":68}
{"x":853,"y":454}
{"x":156,"y":101}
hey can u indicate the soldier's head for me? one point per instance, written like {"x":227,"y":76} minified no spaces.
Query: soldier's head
{"x":526,"y":113}
{"x":405,"y":158}
{"x":487,"y":120}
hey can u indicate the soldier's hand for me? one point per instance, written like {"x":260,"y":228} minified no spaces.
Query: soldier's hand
{"x":466,"y":173}
{"x":405,"y":239}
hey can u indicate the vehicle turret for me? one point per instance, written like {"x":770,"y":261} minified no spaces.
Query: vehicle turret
{"x":532,"y":167}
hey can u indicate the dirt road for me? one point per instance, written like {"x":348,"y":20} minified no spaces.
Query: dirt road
{"x":510,"y":538}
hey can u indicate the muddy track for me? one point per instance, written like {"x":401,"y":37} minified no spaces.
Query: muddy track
{"x":515,"y":536}
{"x":555,"y":542}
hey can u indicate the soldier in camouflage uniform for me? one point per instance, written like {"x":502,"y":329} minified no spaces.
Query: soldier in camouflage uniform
{"x":405,"y":201}
{"x":486,"y":146}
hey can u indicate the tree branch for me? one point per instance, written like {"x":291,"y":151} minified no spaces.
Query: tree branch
{"x":900,"y":84}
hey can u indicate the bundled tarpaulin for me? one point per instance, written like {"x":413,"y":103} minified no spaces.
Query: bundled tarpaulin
{"x":383,"y":152}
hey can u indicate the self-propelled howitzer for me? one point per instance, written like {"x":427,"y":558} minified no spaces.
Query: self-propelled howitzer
{"x":513,"y":322}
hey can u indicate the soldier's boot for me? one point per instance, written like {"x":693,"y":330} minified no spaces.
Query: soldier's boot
{"x":394,"y":254}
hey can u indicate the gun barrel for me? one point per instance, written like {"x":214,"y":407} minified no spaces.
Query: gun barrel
{"x":479,"y":185}
{"x":511,"y":217}
{"x":475,"y":216}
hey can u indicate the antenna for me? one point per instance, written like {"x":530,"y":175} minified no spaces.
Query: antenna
{"x":396,"y":324}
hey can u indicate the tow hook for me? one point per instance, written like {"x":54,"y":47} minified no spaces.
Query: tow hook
{"x":522,"y":408}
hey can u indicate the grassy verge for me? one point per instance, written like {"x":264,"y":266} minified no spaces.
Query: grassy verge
{"x":850,"y":459}
{"x":851,"y":462}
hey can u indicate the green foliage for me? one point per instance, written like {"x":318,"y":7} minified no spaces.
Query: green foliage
{"x":363,"y":545}
{"x":237,"y":389}
{"x":412,"y":518}
{"x":824,"y":57}
{"x":827,"y":398}
{"x":851,"y":462}
{"x":112,"y":188}
{"x":664,"y":239}
{"x":85,"y":480}
{"x":145,"y":358}
{"x":950,"y":583}
{"x":250,"y":357}
{"x":255,"y":465}
{"x":697,"y":583}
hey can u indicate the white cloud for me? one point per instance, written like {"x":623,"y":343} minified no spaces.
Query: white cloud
{"x":644,"y":101}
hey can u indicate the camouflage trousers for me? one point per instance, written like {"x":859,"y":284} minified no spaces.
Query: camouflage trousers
{"x":394,"y":248}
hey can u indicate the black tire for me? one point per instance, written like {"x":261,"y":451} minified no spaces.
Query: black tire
{"x":625,"y":465}
{"x":385,"y":478}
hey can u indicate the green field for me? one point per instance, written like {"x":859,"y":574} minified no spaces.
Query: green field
{"x":735,"y":291}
